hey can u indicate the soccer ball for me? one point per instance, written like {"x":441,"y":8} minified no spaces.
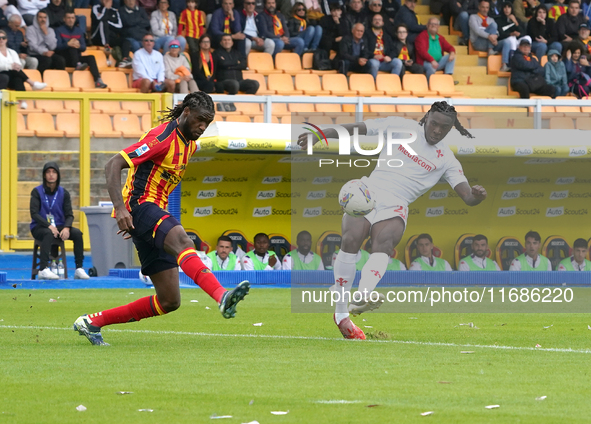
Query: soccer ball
{"x":145,"y":279}
{"x":355,"y":199}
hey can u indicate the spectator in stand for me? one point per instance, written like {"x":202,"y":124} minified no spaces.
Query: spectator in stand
{"x":204,"y":68}
{"x":375,"y":8}
{"x":56,"y":9}
{"x":331,"y":29}
{"x":583,"y":39}
{"x":148,"y":69}
{"x":303,"y":258}
{"x":586,"y":10}
{"x":250,"y":21}
{"x":178,"y":69}
{"x":355,"y":14}
{"x":557,"y":10}
{"x":12,"y":76}
{"x":299,"y":26}
{"x":261,"y":258}
{"x":578,"y":261}
{"x":17,"y":42}
{"x":192,"y":27}
{"x":542,"y":31}
{"x":313,"y":10}
{"x":390,"y":8}
{"x":440,"y":8}
{"x":273,"y":25}
{"x":531,"y":260}
{"x":527,"y":75}
{"x":208,"y":7}
{"x":223,"y":259}
{"x":509,"y":31}
{"x":381,"y":48}
{"x":478,"y":261}
{"x":406,"y":53}
{"x":578,"y":71}
{"x":29,"y":9}
{"x":461,"y":10}
{"x":106,"y":30}
{"x":9,"y":10}
{"x":228,"y":74}
{"x":406,"y":15}
{"x":524,"y":9}
{"x":555,"y":73}
{"x":164,"y":27}
{"x":567,"y":26}
{"x":428,"y":262}
{"x":71,"y":44}
{"x":136,"y":24}
{"x":496,"y":9}
{"x":483,"y":31}
{"x":51,"y":218}
{"x":227,"y":21}
{"x":42,"y":43}
{"x":353,"y":54}
{"x":431,"y":50}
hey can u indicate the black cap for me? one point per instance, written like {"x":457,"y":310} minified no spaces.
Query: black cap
{"x":584,"y":25}
{"x":525,"y":41}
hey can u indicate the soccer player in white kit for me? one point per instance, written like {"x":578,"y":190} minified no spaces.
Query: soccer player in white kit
{"x":394,"y":189}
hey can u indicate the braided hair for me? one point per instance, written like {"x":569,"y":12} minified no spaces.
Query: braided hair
{"x":198,"y":99}
{"x":449,"y":110}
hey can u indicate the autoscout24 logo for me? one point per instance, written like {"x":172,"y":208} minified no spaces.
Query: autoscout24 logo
{"x":345,"y":146}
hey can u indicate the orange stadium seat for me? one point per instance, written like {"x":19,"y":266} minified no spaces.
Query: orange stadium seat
{"x":382,"y":108}
{"x":68,"y":123}
{"x":263,"y":90}
{"x":249,"y":109}
{"x":290,"y":63}
{"x":557,"y":123}
{"x":337,"y":85}
{"x":444,"y":85}
{"x":283,"y":85}
{"x":494,"y":65}
{"x":147,"y":122}
{"x":261,"y":119}
{"x":286,"y":119}
{"x":390,"y":85}
{"x":583,"y":124}
{"x":101,"y":126}
{"x":238,"y":118}
{"x":329,"y":108}
{"x":322,"y":120}
{"x":364,"y":85}
{"x":482,"y":122}
{"x":471,"y":51}
{"x":280,"y":109}
{"x":21,"y":128}
{"x":58,"y":80}
{"x":135,"y":107}
{"x":352,"y":108}
{"x":35,"y":75}
{"x":128,"y":124}
{"x":51,"y":106}
{"x":73,"y":105}
{"x":417,"y":85}
{"x":308,"y":63}
{"x":411,"y":111}
{"x":262,"y":63}
{"x":568,"y":110}
{"x":117,"y":82}
{"x":101,"y":59}
{"x":340,"y":120}
{"x":84,"y":81}
{"x":43,"y":126}
{"x":301,"y":108}
{"x":107,"y":106}
{"x":310,"y":85}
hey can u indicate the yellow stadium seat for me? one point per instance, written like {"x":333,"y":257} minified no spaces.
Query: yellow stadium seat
{"x":444,"y":85}
{"x":561,"y":124}
{"x":107,"y":106}
{"x":310,"y":85}
{"x":262,"y":63}
{"x":58,"y":80}
{"x":135,"y":107}
{"x":290,"y":63}
{"x":101,"y":59}
{"x":249,"y":109}
{"x":43,"y":125}
{"x":482,"y":122}
{"x":467,"y":111}
{"x":337,"y":85}
{"x":417,"y":85}
{"x":102,"y":127}
{"x":69,"y":123}
{"x":238,"y":118}
{"x":21,"y":128}
{"x":50,"y":106}
{"x":117,"y":82}
{"x":329,"y":108}
{"x":353,"y":108}
{"x":494,"y":65}
{"x":364,"y":85}
{"x":283,"y":85}
{"x":308,"y":63}
{"x":390,"y":85}
{"x":84,"y":12}
{"x":147,"y":122}
{"x":583,"y":124}
{"x":263,"y":90}
{"x":84,"y":81}
{"x":128,"y":124}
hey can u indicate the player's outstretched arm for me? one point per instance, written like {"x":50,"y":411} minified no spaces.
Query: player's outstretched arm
{"x":472,"y":196}
{"x":332,"y":133}
{"x":113,"y":170}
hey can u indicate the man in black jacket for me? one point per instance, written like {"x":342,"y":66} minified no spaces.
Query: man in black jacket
{"x":355,"y":14}
{"x":331,"y":28}
{"x":230,"y":64}
{"x":250,"y":21}
{"x":106,"y":28}
{"x":353,"y":52}
{"x":136,"y":24}
{"x":567,"y":26}
{"x":527,"y":75}
{"x":273,"y":26}
{"x":381,"y":48}
{"x":406,"y":15}
{"x":461,"y":11}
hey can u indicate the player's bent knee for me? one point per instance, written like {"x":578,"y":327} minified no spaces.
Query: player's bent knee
{"x":170,"y":305}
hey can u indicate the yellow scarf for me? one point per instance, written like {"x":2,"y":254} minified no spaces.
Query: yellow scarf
{"x":379,"y":50}
{"x":166,"y":23}
{"x":277,"y":26}
{"x":227,"y":25}
{"x":484,"y":23}
{"x":302,"y":23}
{"x":206,"y":70}
{"x":404,"y":54}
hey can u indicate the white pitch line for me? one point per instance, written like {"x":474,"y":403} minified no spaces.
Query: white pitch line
{"x":271,"y":336}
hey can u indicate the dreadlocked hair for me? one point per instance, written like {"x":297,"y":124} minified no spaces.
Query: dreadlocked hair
{"x":198,"y":99}
{"x":447,"y":109}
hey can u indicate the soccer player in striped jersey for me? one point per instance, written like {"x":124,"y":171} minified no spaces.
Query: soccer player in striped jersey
{"x":156,"y":165}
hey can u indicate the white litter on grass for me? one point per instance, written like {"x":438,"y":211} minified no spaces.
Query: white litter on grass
{"x":412,"y":318}
{"x":424,"y":414}
{"x":258,"y":324}
{"x":145,"y":410}
{"x":368,"y":326}
{"x":541,"y":397}
{"x":52,"y":300}
{"x":588,"y":327}
{"x":252,"y":422}
{"x":492,"y":406}
{"x":207,"y":307}
{"x":131,"y":293}
{"x":280,"y":412}
{"x":81,"y":408}
{"x":538,"y":345}
{"x":550,"y":326}
{"x":364,"y":320}
{"x":251,"y":402}
{"x":124,"y":393}
{"x":217,"y":417}
{"x":337,"y":402}
{"x":194,"y":301}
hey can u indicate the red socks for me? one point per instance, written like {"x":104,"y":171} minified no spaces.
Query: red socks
{"x":145,"y":307}
{"x":190,"y":263}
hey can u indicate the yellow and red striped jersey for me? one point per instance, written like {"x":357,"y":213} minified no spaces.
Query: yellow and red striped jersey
{"x":157,"y":164}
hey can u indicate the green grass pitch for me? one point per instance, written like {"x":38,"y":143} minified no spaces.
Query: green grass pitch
{"x":192,"y":364}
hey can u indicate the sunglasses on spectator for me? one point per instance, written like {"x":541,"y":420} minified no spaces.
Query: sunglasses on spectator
{"x":149,"y":41}
{"x":249,"y":3}
{"x":175,"y":46}
{"x":2,"y":37}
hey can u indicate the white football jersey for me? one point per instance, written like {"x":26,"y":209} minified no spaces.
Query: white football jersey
{"x":419,"y":173}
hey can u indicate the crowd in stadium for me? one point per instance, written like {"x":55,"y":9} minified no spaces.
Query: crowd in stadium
{"x":367,"y":37}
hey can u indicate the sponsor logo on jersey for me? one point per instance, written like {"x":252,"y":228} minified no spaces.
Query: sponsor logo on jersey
{"x":272,"y":180}
{"x":261,"y":212}
{"x":142,"y":149}
{"x":419,"y":160}
{"x":207,"y":194}
{"x":558,"y":195}
{"x":200,"y":212}
{"x":510,"y":195}
{"x":315,"y":195}
{"x":510,"y":211}
{"x":213,"y":179}
{"x":439,"y":194}
{"x":312,"y":212}
{"x":434,"y":212}
{"x":237,"y":144}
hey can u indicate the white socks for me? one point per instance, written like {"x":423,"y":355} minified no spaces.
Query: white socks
{"x":344,"y":275}
{"x":372,"y":272}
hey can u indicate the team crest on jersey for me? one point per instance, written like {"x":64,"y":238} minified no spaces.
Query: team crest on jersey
{"x":142,"y":149}
{"x":439,"y":153}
